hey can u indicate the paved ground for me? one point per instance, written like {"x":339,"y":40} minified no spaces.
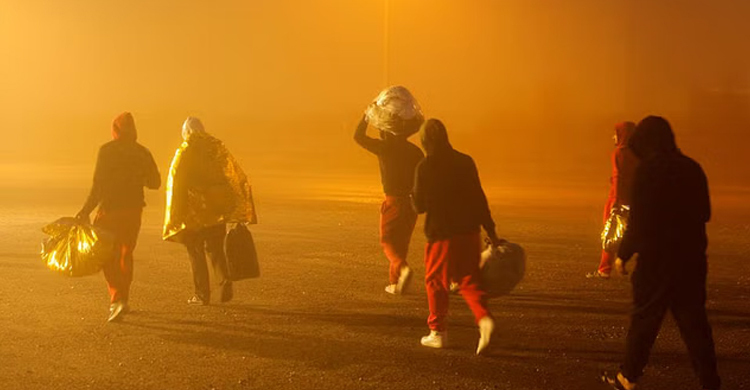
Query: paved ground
{"x":318,"y":319}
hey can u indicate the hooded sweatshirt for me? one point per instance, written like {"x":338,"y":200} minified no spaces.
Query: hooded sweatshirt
{"x":123,"y":168}
{"x":448,"y":189}
{"x":670,"y":207}
{"x":624,"y":165}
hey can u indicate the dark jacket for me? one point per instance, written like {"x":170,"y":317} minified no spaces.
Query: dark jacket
{"x":123,"y":168}
{"x":448,"y":189}
{"x":398,"y":159}
{"x":668,"y":214}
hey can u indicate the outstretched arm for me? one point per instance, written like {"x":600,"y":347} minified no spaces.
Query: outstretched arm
{"x":360,"y":136}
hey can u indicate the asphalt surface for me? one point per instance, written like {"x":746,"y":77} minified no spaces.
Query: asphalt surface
{"x":318,"y":317}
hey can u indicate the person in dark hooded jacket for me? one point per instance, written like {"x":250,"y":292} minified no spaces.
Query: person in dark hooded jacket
{"x":669,"y":211}
{"x":448,"y":190}
{"x":624,"y":164}
{"x":123,"y":168}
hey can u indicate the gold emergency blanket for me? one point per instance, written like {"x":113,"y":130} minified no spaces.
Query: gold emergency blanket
{"x":76,"y":248}
{"x":614,"y":228}
{"x":206,"y":187}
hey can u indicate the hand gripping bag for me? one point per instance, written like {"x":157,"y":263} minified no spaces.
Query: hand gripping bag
{"x":76,"y":248}
{"x":502,"y":268}
{"x":242,"y":258}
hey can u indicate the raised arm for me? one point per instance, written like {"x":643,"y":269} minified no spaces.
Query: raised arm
{"x":360,"y":136}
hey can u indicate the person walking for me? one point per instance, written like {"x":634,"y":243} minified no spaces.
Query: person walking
{"x":206,"y":190}
{"x":398,"y":158}
{"x":447,"y":188}
{"x":669,"y":211}
{"x":123,"y":168}
{"x":624,"y":164}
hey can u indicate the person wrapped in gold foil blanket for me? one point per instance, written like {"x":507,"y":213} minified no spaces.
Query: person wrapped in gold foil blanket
{"x":206,"y":190}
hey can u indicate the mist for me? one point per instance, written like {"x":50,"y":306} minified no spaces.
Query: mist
{"x":531,"y":89}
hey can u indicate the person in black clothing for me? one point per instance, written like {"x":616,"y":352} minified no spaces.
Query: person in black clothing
{"x":448,"y":189}
{"x":398,"y":159}
{"x":669,"y":211}
{"x":123,"y":168}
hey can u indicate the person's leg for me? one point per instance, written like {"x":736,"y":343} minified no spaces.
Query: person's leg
{"x":650,"y":301}
{"x":463,"y":261}
{"x":607,"y":258}
{"x":605,"y":264}
{"x":106,"y":220}
{"x":436,"y":283}
{"x":131,"y":226}
{"x":195,"y":244}
{"x":689,"y":311}
{"x":391,"y":237}
{"x":464,"y":257}
{"x":215,"y":248}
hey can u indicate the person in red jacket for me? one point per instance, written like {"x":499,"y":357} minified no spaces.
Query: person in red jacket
{"x":624,"y":164}
{"x":123,"y":168}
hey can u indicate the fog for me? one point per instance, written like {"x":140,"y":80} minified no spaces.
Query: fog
{"x":531,"y":89}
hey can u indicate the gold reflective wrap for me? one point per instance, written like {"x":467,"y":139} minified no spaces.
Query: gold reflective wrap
{"x":76,"y":248}
{"x":206,"y":187}
{"x":614,"y":228}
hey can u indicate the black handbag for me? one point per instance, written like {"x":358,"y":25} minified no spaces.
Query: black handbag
{"x":242,"y":258}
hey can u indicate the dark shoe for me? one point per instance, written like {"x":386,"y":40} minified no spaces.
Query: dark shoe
{"x":115,"y":312}
{"x":618,"y":382}
{"x":227,"y":293}
{"x":195,"y":300}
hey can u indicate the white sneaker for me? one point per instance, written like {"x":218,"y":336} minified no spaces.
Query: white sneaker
{"x":391,"y":289}
{"x":435,"y":339}
{"x":404,"y":279}
{"x":115,"y":312}
{"x":486,"y":327}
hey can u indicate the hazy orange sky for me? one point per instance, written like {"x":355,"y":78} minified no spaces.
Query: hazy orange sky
{"x":531,"y":89}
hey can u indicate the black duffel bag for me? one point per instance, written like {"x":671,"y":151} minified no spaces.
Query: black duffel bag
{"x":242,"y":258}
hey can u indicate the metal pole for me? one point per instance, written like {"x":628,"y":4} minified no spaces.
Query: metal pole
{"x":385,"y":42}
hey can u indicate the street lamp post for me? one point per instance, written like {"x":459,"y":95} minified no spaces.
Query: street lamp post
{"x":385,"y":42}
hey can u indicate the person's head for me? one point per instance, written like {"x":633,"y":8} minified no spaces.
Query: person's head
{"x":434,"y":137}
{"x":123,"y":128}
{"x":192,"y":127}
{"x":653,"y":136}
{"x":623,"y":132}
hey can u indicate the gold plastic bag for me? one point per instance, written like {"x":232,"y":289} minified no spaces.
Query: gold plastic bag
{"x":76,"y":248}
{"x":614,"y":228}
{"x":396,"y":111}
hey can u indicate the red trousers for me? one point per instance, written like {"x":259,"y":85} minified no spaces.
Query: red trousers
{"x":608,"y":258}
{"x":455,"y":259}
{"x":124,"y":225}
{"x":397,"y":220}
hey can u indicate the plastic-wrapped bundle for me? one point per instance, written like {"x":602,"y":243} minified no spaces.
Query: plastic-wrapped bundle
{"x":396,"y":111}
{"x":76,"y":248}
{"x":615,"y":227}
{"x":502,"y":268}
